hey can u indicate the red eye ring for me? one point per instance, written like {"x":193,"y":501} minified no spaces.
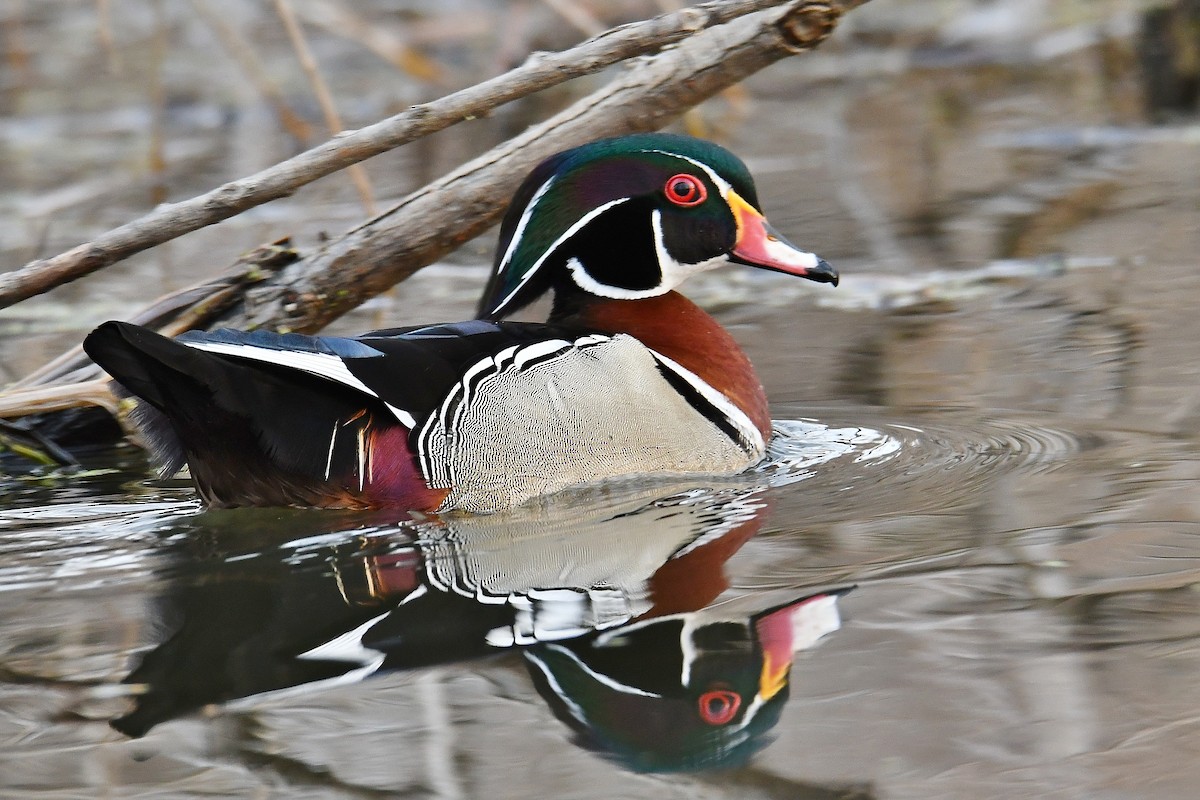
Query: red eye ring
{"x":719,"y":706}
{"x":685,"y":190}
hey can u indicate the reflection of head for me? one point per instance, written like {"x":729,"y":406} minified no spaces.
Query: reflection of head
{"x":680,"y":692}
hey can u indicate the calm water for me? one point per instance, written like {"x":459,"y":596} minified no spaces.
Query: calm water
{"x":989,"y":431}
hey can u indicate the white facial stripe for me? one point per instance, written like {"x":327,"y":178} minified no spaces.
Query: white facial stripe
{"x":584,"y":220}
{"x":601,"y":678}
{"x":673,"y":272}
{"x":524,"y":222}
{"x":720,"y":182}
{"x":574,"y":707}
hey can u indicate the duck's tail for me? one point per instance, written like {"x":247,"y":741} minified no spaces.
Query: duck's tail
{"x":255,"y":433}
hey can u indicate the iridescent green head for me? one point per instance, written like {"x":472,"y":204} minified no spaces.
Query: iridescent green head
{"x":632,"y":217}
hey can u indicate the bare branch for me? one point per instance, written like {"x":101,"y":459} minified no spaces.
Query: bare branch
{"x":542,"y":71}
{"x":274,"y":287}
{"x":308,"y":294}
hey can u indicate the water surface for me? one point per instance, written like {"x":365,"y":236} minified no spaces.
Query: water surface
{"x":989,"y":430}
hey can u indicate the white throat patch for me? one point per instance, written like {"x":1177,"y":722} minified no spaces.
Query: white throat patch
{"x":673,"y":272}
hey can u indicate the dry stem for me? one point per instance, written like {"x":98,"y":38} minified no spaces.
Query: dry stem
{"x":169,"y":221}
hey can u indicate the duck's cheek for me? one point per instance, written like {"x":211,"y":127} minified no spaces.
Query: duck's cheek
{"x":693,"y":237}
{"x":682,"y":256}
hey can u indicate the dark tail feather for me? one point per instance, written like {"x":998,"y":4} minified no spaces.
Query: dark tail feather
{"x":252,"y":433}
{"x":138,"y":363}
{"x":132,"y":356}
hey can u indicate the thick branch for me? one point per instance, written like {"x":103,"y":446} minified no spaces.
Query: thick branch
{"x":169,"y":221}
{"x":307,"y":295}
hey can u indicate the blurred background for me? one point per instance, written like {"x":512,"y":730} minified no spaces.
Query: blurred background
{"x":924,"y":136}
{"x":1011,"y":191}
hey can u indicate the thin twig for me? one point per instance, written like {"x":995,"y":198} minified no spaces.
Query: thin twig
{"x":32,"y":444}
{"x":333,"y":120}
{"x":383,"y":41}
{"x":247,"y":60}
{"x":579,"y":17}
{"x":156,"y":159}
{"x":105,"y":38}
{"x":539,"y":72}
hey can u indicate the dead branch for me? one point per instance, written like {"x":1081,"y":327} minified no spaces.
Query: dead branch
{"x":308,"y":294}
{"x":541,"y":71}
{"x":275,"y":287}
{"x":195,"y":306}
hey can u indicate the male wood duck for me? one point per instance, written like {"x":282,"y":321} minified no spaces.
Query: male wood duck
{"x":626,"y":376}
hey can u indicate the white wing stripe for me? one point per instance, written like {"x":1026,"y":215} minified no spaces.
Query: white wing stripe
{"x":322,"y":365}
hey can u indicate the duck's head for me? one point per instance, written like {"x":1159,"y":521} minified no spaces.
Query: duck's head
{"x":632,"y":217}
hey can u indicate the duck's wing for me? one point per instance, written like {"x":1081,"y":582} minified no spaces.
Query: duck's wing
{"x":287,"y":419}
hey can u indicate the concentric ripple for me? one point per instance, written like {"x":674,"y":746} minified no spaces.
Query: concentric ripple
{"x":841,"y":460}
{"x":931,"y":460}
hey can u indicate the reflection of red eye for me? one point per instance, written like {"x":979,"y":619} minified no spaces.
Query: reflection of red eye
{"x":719,"y":706}
{"x":685,"y":190}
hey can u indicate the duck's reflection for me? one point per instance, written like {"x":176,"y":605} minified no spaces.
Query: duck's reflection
{"x":687,"y":691}
{"x":608,"y":603}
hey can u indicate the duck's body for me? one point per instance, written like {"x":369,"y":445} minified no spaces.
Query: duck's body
{"x":626,"y":377}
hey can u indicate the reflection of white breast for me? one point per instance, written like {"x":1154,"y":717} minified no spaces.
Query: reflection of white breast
{"x":564,"y":576}
{"x":533,"y":420}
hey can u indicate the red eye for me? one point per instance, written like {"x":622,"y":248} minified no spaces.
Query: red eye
{"x":719,"y":706}
{"x":685,"y":190}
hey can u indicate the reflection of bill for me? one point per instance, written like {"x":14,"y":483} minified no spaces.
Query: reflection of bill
{"x":686,"y":691}
{"x":607,"y":604}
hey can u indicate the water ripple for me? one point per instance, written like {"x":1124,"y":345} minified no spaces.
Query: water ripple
{"x":928,"y":459}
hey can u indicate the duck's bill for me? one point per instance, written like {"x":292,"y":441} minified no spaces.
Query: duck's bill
{"x":760,"y":245}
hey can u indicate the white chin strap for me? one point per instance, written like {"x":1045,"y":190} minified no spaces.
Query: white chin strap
{"x":673,"y":272}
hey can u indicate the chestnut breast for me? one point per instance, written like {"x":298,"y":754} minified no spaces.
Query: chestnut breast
{"x":679,"y":329}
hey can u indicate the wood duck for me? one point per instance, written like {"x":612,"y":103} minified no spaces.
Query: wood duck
{"x":626,"y":376}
